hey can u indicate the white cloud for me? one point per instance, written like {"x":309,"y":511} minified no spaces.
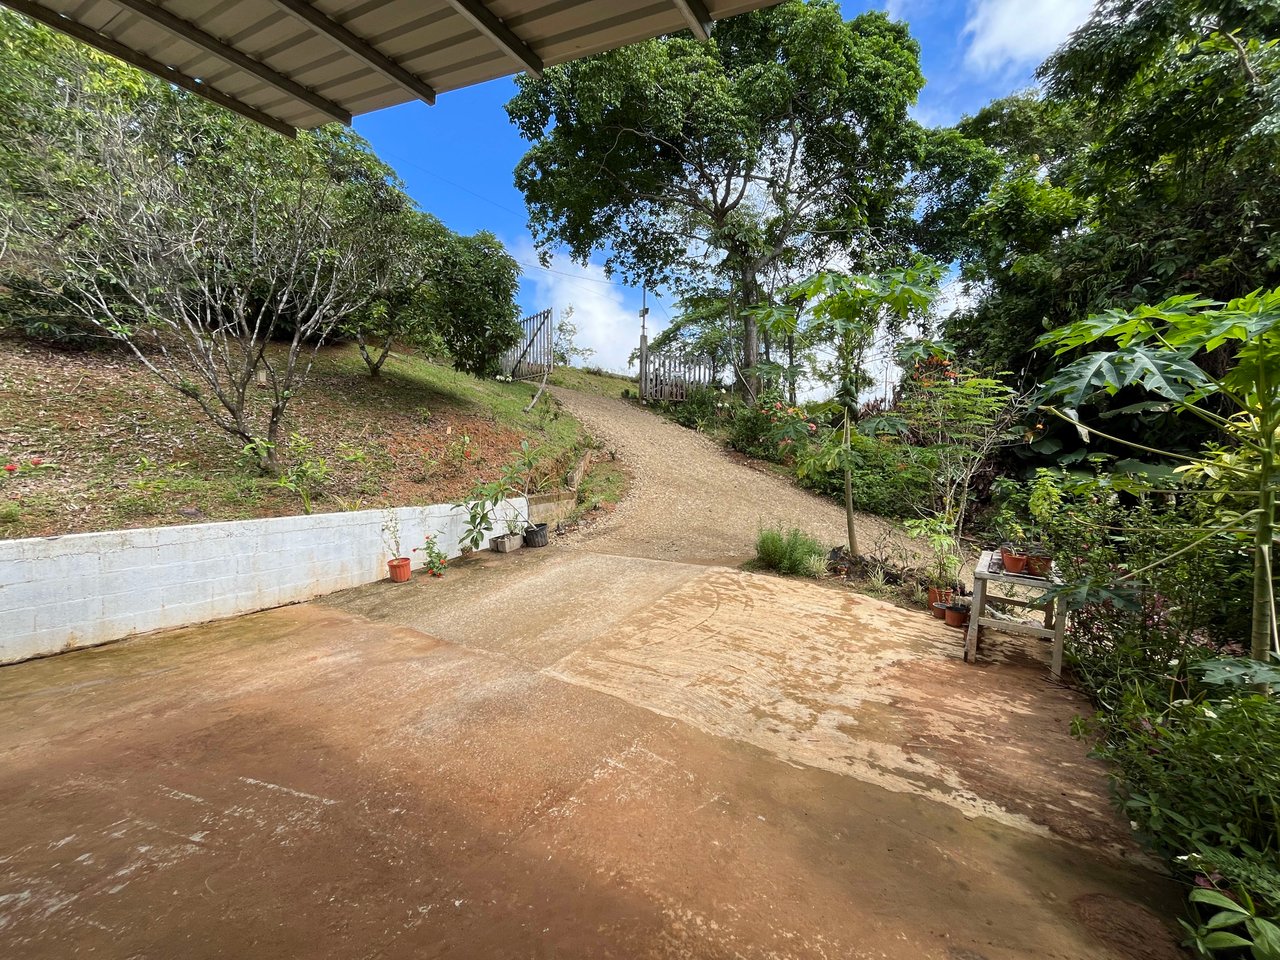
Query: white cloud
{"x":1015,"y":34}
{"x":606,"y":322}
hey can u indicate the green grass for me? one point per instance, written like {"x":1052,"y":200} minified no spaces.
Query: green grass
{"x":432,"y":385}
{"x":794,"y":552}
{"x":605,"y":483}
{"x":123,"y":451}
{"x":593,"y":381}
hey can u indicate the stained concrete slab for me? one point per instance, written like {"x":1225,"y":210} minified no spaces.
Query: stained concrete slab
{"x":663,"y":761}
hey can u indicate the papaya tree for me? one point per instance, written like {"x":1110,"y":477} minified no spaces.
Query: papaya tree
{"x":849,"y":314}
{"x":1218,"y":363}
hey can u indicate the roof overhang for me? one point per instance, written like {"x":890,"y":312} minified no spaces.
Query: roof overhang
{"x":294,"y":63}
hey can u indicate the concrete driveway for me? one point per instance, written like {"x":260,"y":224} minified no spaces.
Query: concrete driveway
{"x":561,"y":754}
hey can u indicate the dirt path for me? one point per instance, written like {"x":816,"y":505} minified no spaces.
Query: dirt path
{"x":690,"y":501}
{"x":597,"y":752}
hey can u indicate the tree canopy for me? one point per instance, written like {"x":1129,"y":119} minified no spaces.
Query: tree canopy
{"x":752,"y":158}
{"x":1145,"y":169}
{"x":136,"y":212}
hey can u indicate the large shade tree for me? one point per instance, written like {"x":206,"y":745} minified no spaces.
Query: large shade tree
{"x":781,"y":143}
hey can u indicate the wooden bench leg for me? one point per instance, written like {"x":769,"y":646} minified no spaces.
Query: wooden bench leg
{"x":1059,"y":637}
{"x":976,"y":610}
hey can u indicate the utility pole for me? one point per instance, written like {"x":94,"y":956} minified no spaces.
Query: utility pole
{"x":644,"y":342}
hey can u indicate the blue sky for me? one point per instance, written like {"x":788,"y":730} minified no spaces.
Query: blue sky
{"x":457,"y":157}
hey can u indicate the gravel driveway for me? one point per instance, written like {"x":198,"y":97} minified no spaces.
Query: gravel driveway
{"x":691,"y":501}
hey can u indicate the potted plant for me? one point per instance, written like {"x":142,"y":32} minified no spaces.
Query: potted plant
{"x":939,"y":606}
{"x":1015,"y":560}
{"x":944,"y":567}
{"x":522,"y":474}
{"x":1011,"y":533}
{"x":481,"y":506}
{"x":484,"y":500}
{"x":957,"y":612}
{"x":1039,"y":560}
{"x":1044,"y":503}
{"x":398,"y":566}
{"x":434,"y":561}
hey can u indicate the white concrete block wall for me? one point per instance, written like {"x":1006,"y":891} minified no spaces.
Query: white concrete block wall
{"x":60,"y":593}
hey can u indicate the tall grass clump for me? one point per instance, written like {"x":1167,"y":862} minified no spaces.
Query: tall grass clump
{"x":794,"y":553}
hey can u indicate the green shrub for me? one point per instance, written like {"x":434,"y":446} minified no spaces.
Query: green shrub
{"x":889,"y":479}
{"x":700,"y":411}
{"x":1202,"y":782}
{"x":753,"y":431}
{"x":794,"y":552}
{"x":1196,"y":763}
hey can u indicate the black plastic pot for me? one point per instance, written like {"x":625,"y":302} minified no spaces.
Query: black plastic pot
{"x":536,"y":535}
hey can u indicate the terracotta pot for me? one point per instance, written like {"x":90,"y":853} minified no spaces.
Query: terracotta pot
{"x":956,"y":618}
{"x":1039,"y":565}
{"x":1015,"y":563}
{"x":399,"y":569}
{"x":1006,"y":550}
{"x":938,"y":597}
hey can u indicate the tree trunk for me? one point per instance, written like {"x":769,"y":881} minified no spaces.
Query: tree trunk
{"x":848,"y":489}
{"x":375,"y":366}
{"x":750,"y":334}
{"x":1260,"y":631}
{"x":791,"y":369}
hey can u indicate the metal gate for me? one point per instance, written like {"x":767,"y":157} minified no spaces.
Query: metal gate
{"x":531,"y":358}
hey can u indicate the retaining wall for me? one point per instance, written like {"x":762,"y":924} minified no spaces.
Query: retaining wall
{"x":61,"y":593}
{"x":551,"y":507}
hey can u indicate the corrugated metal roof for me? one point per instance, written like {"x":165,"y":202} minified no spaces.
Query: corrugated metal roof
{"x":295,"y":63}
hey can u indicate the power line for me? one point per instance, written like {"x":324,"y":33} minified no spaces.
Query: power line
{"x":573,"y":276}
{"x":458,"y":186}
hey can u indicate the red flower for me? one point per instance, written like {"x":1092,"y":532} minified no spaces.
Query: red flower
{"x":11,"y":467}
{"x":36,"y":461}
{"x":813,"y":427}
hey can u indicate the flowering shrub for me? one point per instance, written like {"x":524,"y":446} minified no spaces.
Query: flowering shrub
{"x":771,"y":430}
{"x":434,"y":561}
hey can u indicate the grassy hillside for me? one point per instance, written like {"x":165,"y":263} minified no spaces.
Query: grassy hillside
{"x":593,"y":380}
{"x":117,"y":449}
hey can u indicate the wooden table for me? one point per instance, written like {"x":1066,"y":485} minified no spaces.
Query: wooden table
{"x":1055,"y":614}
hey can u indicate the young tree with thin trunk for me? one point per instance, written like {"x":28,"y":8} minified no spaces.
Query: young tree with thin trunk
{"x":850,"y":314}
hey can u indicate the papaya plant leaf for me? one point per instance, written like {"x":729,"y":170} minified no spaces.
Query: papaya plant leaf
{"x":1166,"y":373}
{"x":1083,"y":593}
{"x":1078,"y":381}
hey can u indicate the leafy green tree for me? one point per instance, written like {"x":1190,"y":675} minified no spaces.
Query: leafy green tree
{"x":1146,"y":169}
{"x":398,"y":311}
{"x":470,"y":299}
{"x":781,"y":140}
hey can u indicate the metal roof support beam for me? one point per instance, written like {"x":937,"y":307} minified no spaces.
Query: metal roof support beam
{"x":696,"y":16}
{"x":192,"y":34}
{"x":484,"y":20}
{"x":359,"y":48}
{"x":118,"y":50}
